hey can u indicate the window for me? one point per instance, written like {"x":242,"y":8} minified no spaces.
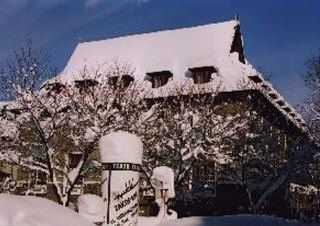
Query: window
{"x":74,"y":159}
{"x":45,"y":113}
{"x":281,"y":102}
{"x":55,"y":87}
{"x":287,"y":109}
{"x":202,"y":74}
{"x":41,"y":177}
{"x":2,"y":113}
{"x":15,"y":111}
{"x":83,"y":85}
{"x":203,"y":178}
{"x":265,"y":86}
{"x":204,"y":172}
{"x":273,"y":95}
{"x":256,"y":79}
{"x":160,"y":78}
{"x":125,"y":80}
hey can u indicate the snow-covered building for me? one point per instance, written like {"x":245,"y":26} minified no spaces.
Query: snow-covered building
{"x":203,"y":57}
{"x":207,"y":59}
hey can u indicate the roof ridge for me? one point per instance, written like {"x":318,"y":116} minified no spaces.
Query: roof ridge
{"x":236,"y":22}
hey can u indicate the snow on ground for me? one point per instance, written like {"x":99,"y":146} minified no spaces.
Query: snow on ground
{"x":148,"y":221}
{"x":35,"y":211}
{"x":91,"y":207}
{"x":235,"y":220}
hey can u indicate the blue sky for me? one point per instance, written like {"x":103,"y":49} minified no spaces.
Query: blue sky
{"x":279,"y":35}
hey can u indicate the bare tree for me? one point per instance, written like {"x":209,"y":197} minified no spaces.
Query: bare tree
{"x":246,"y":148}
{"x":311,"y":109}
{"x":189,"y":126}
{"x":65,"y":117}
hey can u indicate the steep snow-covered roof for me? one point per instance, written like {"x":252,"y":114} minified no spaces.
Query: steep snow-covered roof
{"x":173,"y":50}
{"x":178,"y":51}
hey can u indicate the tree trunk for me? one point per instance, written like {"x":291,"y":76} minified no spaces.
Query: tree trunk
{"x":271,"y":189}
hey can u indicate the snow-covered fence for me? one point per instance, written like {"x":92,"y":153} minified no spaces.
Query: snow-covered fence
{"x":121,"y":158}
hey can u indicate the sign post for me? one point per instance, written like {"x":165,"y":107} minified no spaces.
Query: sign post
{"x":121,"y":158}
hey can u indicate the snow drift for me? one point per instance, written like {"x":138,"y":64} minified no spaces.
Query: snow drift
{"x":91,"y":207}
{"x":35,"y":211}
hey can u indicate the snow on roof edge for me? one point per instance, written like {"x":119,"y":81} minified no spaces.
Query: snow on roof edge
{"x":297,"y":119}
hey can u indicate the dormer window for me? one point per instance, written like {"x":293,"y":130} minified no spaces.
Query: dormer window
{"x":202,"y":74}
{"x":287,"y":109}
{"x":125,"y":80}
{"x":256,"y":78}
{"x":45,"y":113}
{"x":15,"y":111}
{"x":2,"y":113}
{"x":83,"y":85}
{"x":265,"y":86}
{"x":160,"y":78}
{"x":281,"y":102}
{"x":273,"y":95}
{"x":55,"y":87}
{"x":292,"y":114}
